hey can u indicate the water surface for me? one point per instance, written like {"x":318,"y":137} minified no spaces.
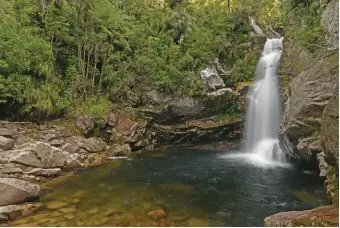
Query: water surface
{"x":195,"y":187}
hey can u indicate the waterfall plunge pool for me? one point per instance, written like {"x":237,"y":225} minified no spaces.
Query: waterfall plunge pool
{"x":195,"y":187}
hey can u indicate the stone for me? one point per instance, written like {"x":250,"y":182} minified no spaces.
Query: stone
{"x":26,"y":158}
{"x":179,"y":110}
{"x":13,"y":191}
{"x":85,"y":123}
{"x":309,"y":94}
{"x":52,"y":157}
{"x":210,"y":78}
{"x":71,"y":148}
{"x":91,"y":145}
{"x":330,"y":22}
{"x":10,"y":169}
{"x":45,"y":172}
{"x":56,"y":142}
{"x":323,"y":166}
{"x":123,"y":150}
{"x":157,"y":214}
{"x":6,"y":143}
{"x":6,"y":132}
{"x":319,"y":216}
{"x":10,"y":212}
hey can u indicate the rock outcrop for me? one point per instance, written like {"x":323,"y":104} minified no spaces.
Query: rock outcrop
{"x":309,"y":93}
{"x":179,"y":110}
{"x":321,"y":216}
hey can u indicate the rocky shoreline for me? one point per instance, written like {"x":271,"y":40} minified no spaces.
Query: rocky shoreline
{"x":32,"y":154}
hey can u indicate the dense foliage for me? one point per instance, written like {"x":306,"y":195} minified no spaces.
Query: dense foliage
{"x":59,"y":54}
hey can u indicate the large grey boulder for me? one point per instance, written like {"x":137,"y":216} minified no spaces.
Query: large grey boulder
{"x":211,"y":78}
{"x":6,"y":143}
{"x":52,"y":157}
{"x":14,"y":191}
{"x":330,"y":22}
{"x":309,"y":93}
{"x":80,"y":144}
{"x":85,"y":123}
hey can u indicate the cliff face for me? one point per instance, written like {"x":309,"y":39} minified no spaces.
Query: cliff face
{"x":305,"y":110}
{"x":309,"y":128}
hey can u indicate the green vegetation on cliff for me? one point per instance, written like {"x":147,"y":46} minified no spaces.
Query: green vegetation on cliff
{"x":55,"y":54}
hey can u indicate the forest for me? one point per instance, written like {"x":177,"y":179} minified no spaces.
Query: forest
{"x":58,"y":57}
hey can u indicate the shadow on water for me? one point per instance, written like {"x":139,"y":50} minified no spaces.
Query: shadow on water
{"x":195,"y":187}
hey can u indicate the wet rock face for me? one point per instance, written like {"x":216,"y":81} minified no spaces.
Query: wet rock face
{"x":14,"y":191}
{"x":309,"y":93}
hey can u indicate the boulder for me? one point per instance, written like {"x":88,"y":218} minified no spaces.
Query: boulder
{"x":14,"y":191}
{"x":211,"y":78}
{"x":45,"y":172}
{"x":85,"y":123}
{"x":52,"y":157}
{"x":6,"y":143}
{"x":320,"y":216}
{"x":123,"y":150}
{"x":10,"y":168}
{"x":6,"y":132}
{"x":78,"y":143}
{"x":330,"y":22}
{"x":130,"y":130}
{"x":27,"y":158}
{"x":157,"y":214}
{"x":10,"y":212}
{"x":309,"y":94}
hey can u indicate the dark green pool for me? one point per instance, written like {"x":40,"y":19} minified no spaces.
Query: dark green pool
{"x":194,"y":187}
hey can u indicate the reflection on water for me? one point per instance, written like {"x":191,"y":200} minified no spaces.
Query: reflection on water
{"x":192,"y":188}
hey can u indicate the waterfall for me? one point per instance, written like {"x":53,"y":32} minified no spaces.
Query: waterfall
{"x":264,"y":107}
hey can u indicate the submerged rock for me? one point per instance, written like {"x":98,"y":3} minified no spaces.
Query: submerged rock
{"x":13,"y":191}
{"x":157,"y":214}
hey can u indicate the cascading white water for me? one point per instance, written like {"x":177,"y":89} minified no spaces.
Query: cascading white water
{"x":264,"y":112}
